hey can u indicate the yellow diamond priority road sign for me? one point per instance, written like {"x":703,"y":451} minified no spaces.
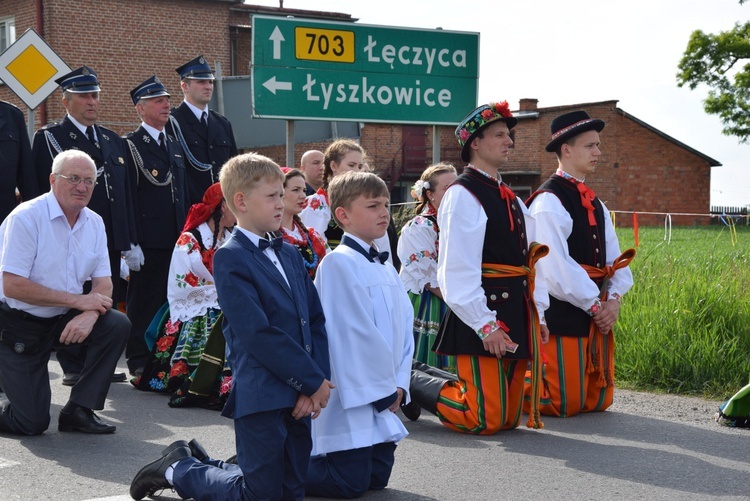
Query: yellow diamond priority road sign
{"x":29,"y":68}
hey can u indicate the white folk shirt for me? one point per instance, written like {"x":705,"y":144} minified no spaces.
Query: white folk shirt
{"x":417,"y":250}
{"x":566,"y":280}
{"x":186,"y":300}
{"x":371,"y":344}
{"x":39,"y":244}
{"x":463,"y":222}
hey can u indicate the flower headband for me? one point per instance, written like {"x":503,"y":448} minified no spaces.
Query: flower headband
{"x":480,"y":118}
{"x":418,"y":189}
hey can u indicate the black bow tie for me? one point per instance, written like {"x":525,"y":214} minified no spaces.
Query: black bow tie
{"x":275,"y":244}
{"x":381,"y":257}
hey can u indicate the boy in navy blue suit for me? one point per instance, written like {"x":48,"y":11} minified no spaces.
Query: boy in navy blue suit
{"x":277,"y":348}
{"x":370,"y":343}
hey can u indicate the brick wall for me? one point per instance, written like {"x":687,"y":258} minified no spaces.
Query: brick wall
{"x":639,"y":169}
{"x":125,"y":42}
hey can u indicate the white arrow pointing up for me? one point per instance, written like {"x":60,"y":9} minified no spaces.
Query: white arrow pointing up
{"x":276,"y":37}
{"x":272,"y":85}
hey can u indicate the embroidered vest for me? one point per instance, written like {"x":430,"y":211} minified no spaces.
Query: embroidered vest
{"x":507,"y":296}
{"x":586,"y":245}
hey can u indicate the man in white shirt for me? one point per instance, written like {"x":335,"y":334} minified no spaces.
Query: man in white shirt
{"x":585,"y":283}
{"x":111,"y":197}
{"x":50,"y":247}
{"x":484,"y":272}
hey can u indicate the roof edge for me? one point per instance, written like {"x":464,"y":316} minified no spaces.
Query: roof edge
{"x":712,"y":162}
{"x":302,"y":13}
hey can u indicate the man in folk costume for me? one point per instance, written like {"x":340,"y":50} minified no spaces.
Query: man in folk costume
{"x":585,"y":273}
{"x":486,"y":274}
{"x":205,"y":136}
{"x":160,"y":198}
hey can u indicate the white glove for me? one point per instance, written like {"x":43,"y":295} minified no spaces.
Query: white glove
{"x":134,"y":257}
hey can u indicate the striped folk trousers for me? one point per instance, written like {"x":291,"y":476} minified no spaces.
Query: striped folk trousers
{"x":486,"y":398}
{"x":567,"y":389}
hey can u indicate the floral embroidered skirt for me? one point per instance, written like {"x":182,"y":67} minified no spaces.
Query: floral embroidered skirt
{"x":176,"y":353}
{"x":428,"y":312}
{"x":210,"y":383}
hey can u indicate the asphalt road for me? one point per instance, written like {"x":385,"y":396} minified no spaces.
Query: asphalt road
{"x":645,"y":447}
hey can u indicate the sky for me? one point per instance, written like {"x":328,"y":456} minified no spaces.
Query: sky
{"x":582,"y":51}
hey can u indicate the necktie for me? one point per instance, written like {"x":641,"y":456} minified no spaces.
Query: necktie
{"x":508,"y":195}
{"x":90,"y":135}
{"x":587,"y":200}
{"x":380,"y":257}
{"x":204,"y":120}
{"x":163,"y":143}
{"x":275,"y":244}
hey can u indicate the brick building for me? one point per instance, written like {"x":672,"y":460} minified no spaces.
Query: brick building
{"x":641,"y":168}
{"x":126,"y":41}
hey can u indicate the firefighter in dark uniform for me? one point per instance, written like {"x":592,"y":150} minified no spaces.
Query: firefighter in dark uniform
{"x":111,"y":198}
{"x":16,"y":169}
{"x":205,"y":136}
{"x":160,"y":196}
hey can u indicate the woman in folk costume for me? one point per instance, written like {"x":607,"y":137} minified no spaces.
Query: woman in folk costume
{"x":308,"y":242}
{"x":418,"y":251}
{"x":193,"y":302}
{"x":342,"y":155}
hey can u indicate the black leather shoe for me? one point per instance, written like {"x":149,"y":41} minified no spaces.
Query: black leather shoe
{"x":83,"y":420}
{"x":196,"y":449}
{"x":71,"y":378}
{"x":412,"y":411}
{"x":151,"y":477}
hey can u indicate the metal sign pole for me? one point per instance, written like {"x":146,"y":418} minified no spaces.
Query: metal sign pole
{"x":30,"y":124}
{"x":435,"y":144}
{"x":219,"y":87}
{"x":290,"y":143}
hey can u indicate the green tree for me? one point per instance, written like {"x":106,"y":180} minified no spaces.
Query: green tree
{"x":722,"y":62}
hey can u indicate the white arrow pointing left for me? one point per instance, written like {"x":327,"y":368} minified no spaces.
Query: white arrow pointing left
{"x":276,"y":37}
{"x":272,"y":85}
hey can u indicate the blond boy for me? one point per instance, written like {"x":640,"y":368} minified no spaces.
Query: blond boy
{"x":277,"y":348}
{"x":371,"y":345}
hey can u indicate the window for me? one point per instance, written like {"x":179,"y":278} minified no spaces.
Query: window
{"x":7,"y":32}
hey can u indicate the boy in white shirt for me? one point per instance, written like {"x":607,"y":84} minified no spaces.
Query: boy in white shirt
{"x":371,"y":345}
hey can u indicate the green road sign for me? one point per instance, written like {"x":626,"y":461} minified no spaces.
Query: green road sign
{"x":305,"y":69}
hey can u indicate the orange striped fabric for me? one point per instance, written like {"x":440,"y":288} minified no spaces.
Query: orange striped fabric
{"x":487,"y":397}
{"x":489,"y":270}
{"x":578,"y":375}
{"x":568,"y":389}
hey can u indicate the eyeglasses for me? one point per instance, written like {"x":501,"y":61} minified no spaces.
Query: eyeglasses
{"x":75,"y":180}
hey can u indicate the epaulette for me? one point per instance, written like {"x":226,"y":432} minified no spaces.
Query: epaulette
{"x":50,"y":126}
{"x":10,"y":105}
